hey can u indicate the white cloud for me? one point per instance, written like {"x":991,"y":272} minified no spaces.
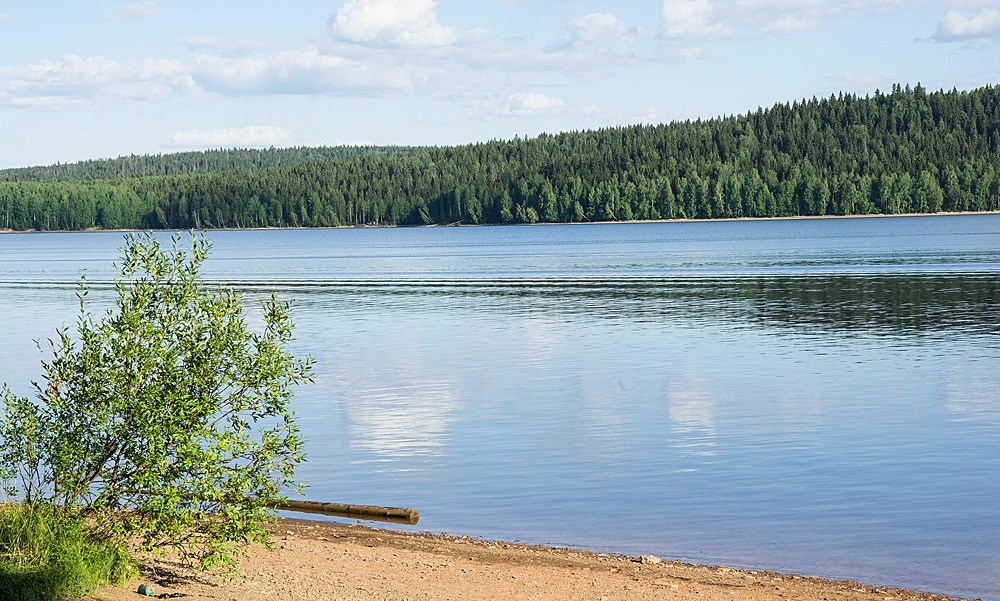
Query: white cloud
{"x":748,"y":8}
{"x":778,"y":6}
{"x":861,"y":83}
{"x":882,"y":7}
{"x":647,"y":116}
{"x":394,"y":23}
{"x":525,"y":104}
{"x":243,"y":137}
{"x":73,"y":81}
{"x":599,"y":27}
{"x":369,"y":64}
{"x":703,"y":18}
{"x":594,"y":43}
{"x":138,"y":10}
{"x":790,"y":25}
{"x":691,"y":18}
{"x":690,"y":54}
{"x":955,"y":27}
{"x":221,"y":46}
{"x":306,"y":71}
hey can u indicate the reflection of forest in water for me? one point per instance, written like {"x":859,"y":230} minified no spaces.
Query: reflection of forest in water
{"x":897,"y":304}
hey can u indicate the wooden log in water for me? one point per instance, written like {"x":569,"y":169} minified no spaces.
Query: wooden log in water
{"x":366,"y":512}
{"x":398,"y":515}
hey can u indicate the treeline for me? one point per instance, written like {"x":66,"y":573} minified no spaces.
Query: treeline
{"x":908,"y":151}
{"x":184,"y":163}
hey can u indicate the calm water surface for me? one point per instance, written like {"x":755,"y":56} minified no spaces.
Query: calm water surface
{"x":815,"y":396}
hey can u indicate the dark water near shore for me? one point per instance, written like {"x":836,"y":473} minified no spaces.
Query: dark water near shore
{"x":815,"y":396}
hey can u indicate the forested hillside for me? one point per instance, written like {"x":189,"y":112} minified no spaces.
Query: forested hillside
{"x":181,"y":163}
{"x":908,"y":151}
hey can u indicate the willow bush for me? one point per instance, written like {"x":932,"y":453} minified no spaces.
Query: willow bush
{"x":164,"y":423}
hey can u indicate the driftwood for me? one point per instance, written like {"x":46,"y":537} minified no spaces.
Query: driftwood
{"x":365,"y":512}
{"x":397,"y":515}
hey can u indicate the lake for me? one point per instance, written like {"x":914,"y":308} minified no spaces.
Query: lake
{"x":811,"y":396}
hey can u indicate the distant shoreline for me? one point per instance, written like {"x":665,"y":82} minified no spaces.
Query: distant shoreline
{"x":630,"y":221}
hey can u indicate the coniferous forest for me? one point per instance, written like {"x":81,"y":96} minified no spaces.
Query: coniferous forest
{"x":908,"y":151}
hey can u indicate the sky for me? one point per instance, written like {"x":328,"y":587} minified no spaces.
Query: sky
{"x":100,"y":79}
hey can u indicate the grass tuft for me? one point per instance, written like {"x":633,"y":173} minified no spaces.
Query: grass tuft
{"x":49,"y":553}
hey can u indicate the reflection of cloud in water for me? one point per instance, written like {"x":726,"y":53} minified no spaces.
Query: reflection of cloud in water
{"x":793,"y":412}
{"x":693,"y":415}
{"x":972,"y":394}
{"x":600,"y":414}
{"x":402,"y":421}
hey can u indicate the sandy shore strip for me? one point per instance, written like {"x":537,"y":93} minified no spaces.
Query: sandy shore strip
{"x":334,"y":561}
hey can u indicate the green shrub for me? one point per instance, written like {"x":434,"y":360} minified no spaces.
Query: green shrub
{"x":166,"y":422}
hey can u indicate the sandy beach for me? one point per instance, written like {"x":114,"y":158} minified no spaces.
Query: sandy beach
{"x":333,"y":561}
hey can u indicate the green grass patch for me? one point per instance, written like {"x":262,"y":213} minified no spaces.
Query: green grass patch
{"x":49,"y":554}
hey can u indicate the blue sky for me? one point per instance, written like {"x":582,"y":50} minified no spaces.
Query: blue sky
{"x":97,"y":79}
